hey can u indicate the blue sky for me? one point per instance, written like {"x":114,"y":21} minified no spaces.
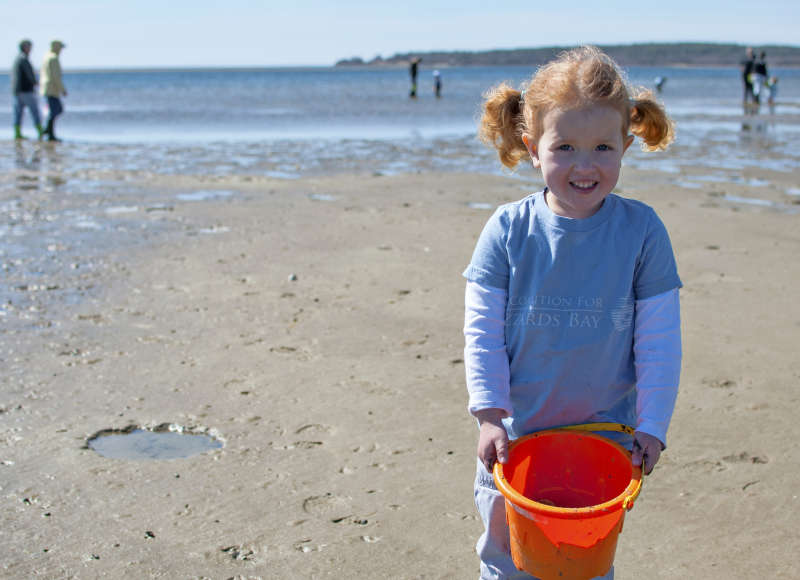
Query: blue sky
{"x":143,"y":33}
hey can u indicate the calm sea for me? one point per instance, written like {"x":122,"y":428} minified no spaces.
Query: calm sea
{"x":294,"y":122}
{"x":63,"y":208}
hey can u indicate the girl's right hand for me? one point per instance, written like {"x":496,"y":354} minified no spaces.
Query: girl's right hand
{"x":493,"y":439}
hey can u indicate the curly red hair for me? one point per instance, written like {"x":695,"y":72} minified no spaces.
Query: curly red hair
{"x":576,"y":79}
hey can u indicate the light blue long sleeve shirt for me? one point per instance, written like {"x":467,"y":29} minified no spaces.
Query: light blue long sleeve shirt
{"x":572,"y":289}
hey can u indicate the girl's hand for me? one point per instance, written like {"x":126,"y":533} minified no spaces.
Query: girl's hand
{"x":493,"y":439}
{"x":646,"y":451}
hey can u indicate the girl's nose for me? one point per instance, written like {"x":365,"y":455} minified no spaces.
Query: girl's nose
{"x":584,"y":162}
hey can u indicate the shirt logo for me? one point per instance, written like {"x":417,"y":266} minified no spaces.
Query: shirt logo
{"x":622,"y":315}
{"x":569,"y":312}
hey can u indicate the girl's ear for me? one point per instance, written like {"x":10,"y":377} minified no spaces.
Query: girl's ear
{"x":532,"y":150}
{"x":627,"y":143}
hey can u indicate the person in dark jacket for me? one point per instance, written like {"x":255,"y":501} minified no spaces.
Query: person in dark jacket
{"x":747,"y":66}
{"x":23,"y":87}
{"x":760,"y":76}
{"x":413,"y":67}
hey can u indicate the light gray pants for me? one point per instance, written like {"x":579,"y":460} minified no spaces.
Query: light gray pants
{"x":22,"y":100}
{"x":494,"y":545}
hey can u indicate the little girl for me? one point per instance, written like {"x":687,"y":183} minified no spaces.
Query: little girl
{"x":572,"y":312}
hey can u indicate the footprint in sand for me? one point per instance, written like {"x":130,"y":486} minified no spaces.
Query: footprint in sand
{"x":305,"y":445}
{"x":321,"y":505}
{"x":239,"y":553}
{"x":314,"y":428}
{"x":283,"y":349}
{"x":745,"y":457}
{"x":298,"y":353}
{"x":720,"y":383}
{"x":724,"y":463}
{"x":307,"y":546}
{"x":383,"y":466}
{"x":704,"y":465}
{"x":460,"y":516}
{"x":372,"y":448}
{"x":350,"y":519}
{"x":298,"y":445}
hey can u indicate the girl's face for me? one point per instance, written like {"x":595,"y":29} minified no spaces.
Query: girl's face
{"x":580,"y":154}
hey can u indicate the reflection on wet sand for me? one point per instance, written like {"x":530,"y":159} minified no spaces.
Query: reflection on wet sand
{"x":65,"y":207}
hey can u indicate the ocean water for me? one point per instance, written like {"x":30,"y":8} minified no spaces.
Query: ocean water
{"x":293,"y":122}
{"x":60,"y":212}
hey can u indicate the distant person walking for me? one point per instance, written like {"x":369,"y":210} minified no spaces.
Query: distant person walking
{"x":772,"y":92}
{"x":23,"y":87}
{"x":747,"y":66}
{"x":413,"y":70}
{"x":53,"y":87}
{"x":437,"y":84}
{"x":760,"y":76}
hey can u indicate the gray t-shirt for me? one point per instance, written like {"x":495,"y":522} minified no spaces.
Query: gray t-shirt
{"x":571,"y":288}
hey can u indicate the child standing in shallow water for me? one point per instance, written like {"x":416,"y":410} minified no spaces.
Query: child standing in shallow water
{"x":571,"y":309}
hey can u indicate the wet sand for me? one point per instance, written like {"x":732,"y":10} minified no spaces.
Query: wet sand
{"x":314,"y":326}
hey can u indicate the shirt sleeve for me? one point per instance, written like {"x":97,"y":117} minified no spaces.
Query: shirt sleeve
{"x":485,"y":356}
{"x":657,"y":358}
{"x":489,"y":265}
{"x":656,"y":270}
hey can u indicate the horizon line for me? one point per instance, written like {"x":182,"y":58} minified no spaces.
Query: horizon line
{"x":385,"y":60}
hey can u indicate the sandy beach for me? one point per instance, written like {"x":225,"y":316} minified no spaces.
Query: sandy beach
{"x":314,"y":327}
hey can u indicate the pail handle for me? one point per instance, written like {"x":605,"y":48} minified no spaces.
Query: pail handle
{"x":627,"y":503}
{"x":619,"y":427}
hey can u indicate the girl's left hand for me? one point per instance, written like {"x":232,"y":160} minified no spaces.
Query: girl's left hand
{"x":646,"y":451}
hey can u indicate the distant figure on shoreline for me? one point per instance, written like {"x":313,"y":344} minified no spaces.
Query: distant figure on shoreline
{"x":772,"y":92}
{"x":747,"y":66}
{"x":437,"y":84}
{"x":660,"y":82}
{"x":53,"y":87}
{"x":413,"y":70}
{"x":23,"y":87}
{"x":759,"y":78}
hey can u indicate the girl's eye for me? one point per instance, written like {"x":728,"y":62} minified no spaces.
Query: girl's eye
{"x":603,"y":148}
{"x":565,"y":147}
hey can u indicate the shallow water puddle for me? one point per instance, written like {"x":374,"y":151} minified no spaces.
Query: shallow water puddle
{"x":161,"y":443}
{"x":321,"y":197}
{"x":118,"y":209}
{"x":204,"y":195}
{"x":755,"y":201}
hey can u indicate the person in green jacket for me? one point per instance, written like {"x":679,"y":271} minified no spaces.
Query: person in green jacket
{"x":52,"y":86}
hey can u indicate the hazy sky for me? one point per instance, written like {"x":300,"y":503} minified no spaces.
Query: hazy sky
{"x":133,"y":33}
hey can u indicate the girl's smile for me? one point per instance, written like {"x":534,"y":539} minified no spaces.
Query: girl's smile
{"x":586,"y":186}
{"x":580,"y":154}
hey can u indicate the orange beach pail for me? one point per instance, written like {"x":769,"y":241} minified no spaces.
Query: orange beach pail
{"x":566,"y":492}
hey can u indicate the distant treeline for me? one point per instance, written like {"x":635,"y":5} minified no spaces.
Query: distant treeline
{"x":666,"y":54}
